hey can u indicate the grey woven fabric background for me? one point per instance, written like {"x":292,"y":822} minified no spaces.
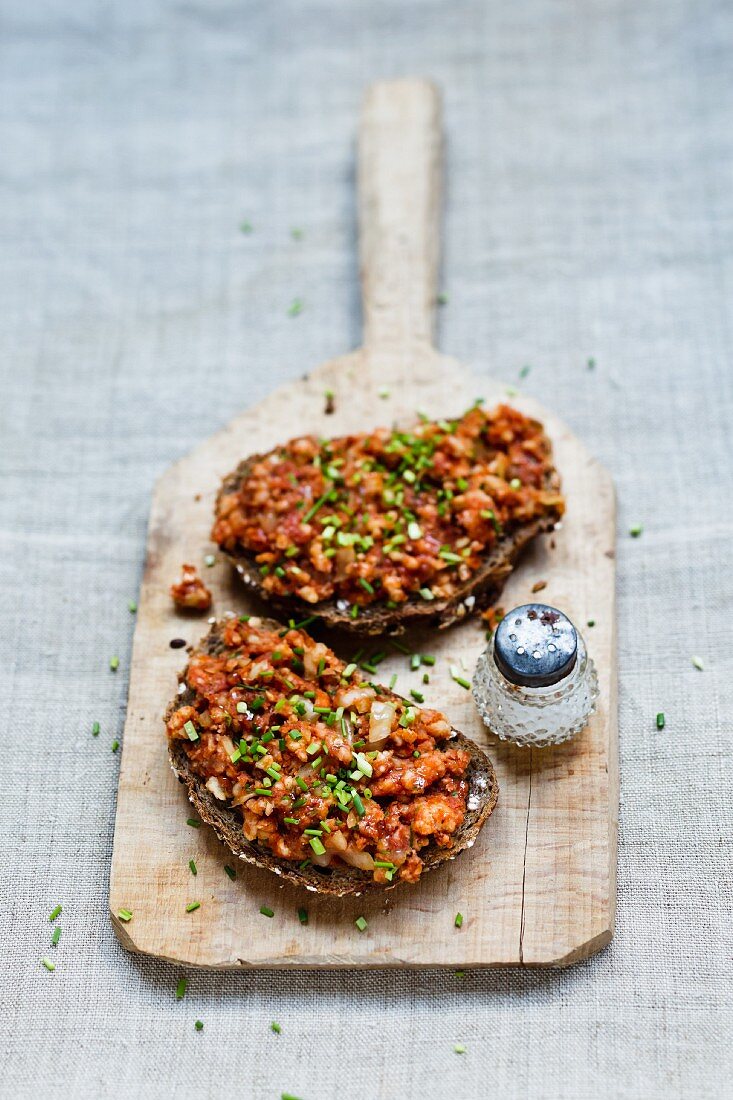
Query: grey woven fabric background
{"x":589,"y":214}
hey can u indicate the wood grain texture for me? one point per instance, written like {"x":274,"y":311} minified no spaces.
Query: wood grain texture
{"x":538,"y":888}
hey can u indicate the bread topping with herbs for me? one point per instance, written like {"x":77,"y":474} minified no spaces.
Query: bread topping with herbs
{"x":389,"y":516}
{"x":322,"y":766}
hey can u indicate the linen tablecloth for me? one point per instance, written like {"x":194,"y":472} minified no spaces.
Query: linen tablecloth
{"x":589,"y":216}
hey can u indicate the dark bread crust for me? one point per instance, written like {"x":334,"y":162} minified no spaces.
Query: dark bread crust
{"x":480,"y":590}
{"x":337,"y":881}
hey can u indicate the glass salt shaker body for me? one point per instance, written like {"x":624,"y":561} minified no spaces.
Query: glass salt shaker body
{"x":534,"y":683}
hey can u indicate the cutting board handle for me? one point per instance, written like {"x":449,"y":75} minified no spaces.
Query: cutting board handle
{"x":400,"y":183}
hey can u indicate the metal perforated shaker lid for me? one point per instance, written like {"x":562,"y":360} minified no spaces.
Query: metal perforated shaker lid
{"x":535,"y":645}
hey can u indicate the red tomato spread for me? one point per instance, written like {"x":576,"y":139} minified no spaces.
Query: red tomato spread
{"x":322,"y":766}
{"x":388,"y":516}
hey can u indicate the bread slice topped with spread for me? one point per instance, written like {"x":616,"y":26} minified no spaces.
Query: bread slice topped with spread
{"x":391,"y":529}
{"x":301,"y":767}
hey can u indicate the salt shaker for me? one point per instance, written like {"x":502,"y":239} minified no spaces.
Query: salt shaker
{"x":534,"y":683}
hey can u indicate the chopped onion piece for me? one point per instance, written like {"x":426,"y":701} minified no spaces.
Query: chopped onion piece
{"x":381,"y":718}
{"x":355,"y":858}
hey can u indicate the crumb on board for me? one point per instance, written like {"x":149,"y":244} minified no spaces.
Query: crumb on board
{"x":539,"y":585}
{"x":493,"y":616}
{"x":190,"y":592}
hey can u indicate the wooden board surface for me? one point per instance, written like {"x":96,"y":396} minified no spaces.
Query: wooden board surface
{"x":538,"y":887}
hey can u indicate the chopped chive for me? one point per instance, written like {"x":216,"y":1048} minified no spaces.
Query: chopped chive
{"x":366,"y":586}
{"x":697,"y":662}
{"x":55,"y":913}
{"x":427,"y":594}
{"x":660,"y":720}
{"x":288,"y":1096}
{"x":193,"y":822}
{"x":275,"y":1026}
{"x":524,"y":371}
{"x":591,"y":622}
{"x":312,"y":511}
{"x":458,"y":920}
{"x":181,"y":989}
{"x":199,"y":1025}
{"x":191,"y":731}
{"x":303,"y":916}
{"x":414,"y":531}
{"x":591,"y":364}
{"x":295,"y":307}
{"x":383,"y":392}
{"x":192,"y":866}
{"x":95,"y":729}
{"x":192,"y":906}
{"x":361,"y":924}
{"x":230,"y":871}
{"x":209,"y":560}
{"x":317,"y":846}
{"x":266,"y":911}
{"x":114,"y":663}
{"x":358,"y":804}
{"x":415,"y":661}
{"x":399,"y":645}
{"x":442,"y":299}
{"x":115,"y":745}
{"x":459,"y":1048}
{"x":296,"y":234}
{"x":417,"y":696}
{"x":245,"y":227}
{"x":56,"y":935}
{"x":393,"y":681}
{"x":461,"y":680}
{"x":636,"y":530}
{"x":48,"y":964}
{"x":132,"y":607}
{"x":125,"y":915}
{"x":459,"y":973}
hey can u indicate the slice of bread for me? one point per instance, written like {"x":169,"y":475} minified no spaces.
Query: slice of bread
{"x":336,"y":880}
{"x":479,"y":592}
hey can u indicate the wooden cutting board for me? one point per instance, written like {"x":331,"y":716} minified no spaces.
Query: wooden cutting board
{"x":538,"y":887}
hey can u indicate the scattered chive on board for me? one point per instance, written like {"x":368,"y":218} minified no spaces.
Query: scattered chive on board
{"x":275,"y":1026}
{"x":56,"y":912}
{"x":361,"y":924}
{"x":192,"y":866}
{"x":458,"y":920}
{"x":266,"y":911}
{"x":193,"y":822}
{"x":181,"y":989}
{"x":48,"y":964}
{"x":303,"y":916}
{"x":114,"y":663}
{"x":199,"y":1025}
{"x":95,"y":729}
{"x":698,"y":663}
{"x":230,"y":871}
{"x":124,"y":914}
{"x":56,"y":935}
{"x":636,"y":530}
{"x":661,"y":720}
{"x":193,"y":905}
{"x":459,"y":1048}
